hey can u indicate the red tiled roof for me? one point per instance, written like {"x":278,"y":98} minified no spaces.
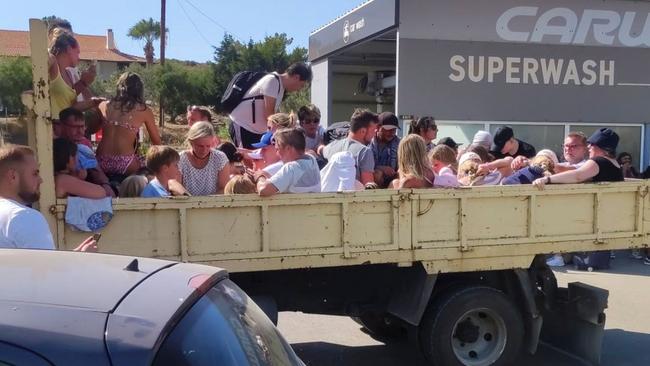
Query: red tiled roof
{"x":16,"y":43}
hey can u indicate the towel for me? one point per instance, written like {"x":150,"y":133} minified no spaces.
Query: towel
{"x":85,"y":214}
{"x":339,"y":174}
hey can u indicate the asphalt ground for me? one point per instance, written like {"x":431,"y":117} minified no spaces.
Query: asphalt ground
{"x":322,"y":340}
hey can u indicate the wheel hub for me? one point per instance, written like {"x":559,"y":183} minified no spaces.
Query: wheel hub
{"x":479,"y":337}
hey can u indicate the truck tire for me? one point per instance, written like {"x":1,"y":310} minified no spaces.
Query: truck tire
{"x":471,"y":326}
{"x":381,"y":325}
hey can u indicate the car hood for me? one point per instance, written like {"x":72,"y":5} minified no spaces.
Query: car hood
{"x":90,"y":281}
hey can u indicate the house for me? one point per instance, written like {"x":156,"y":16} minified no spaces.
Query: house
{"x":100,"y":48}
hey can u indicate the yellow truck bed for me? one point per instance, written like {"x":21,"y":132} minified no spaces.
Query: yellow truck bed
{"x":448,"y":230}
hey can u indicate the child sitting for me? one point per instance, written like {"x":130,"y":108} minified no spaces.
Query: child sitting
{"x":444,"y":164}
{"x":66,"y":181}
{"x":239,"y":184}
{"x":163,"y":162}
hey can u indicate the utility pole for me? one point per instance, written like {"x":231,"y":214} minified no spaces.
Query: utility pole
{"x":163,"y":36}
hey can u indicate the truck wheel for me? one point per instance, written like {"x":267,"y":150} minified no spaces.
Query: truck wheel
{"x":472,"y":326}
{"x":381,"y":325}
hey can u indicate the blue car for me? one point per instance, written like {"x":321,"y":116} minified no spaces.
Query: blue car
{"x":69,"y":308}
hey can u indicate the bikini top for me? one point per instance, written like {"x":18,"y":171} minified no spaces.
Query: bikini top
{"x":126,"y":125}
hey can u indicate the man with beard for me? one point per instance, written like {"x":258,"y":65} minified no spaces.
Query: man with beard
{"x":363,"y":126}
{"x":21,"y":226}
{"x":384,"y":148}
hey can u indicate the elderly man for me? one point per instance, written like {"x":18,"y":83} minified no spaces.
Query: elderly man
{"x":20,"y":225}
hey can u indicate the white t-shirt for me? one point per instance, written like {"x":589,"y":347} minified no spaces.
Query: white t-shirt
{"x":300,"y":176}
{"x":242,"y":115}
{"x":23,"y":227}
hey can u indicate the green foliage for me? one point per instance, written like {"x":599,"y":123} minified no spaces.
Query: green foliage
{"x":293,"y":101}
{"x":15,"y":77}
{"x":268,"y":55}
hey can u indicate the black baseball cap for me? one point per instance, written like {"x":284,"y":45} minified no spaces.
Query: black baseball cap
{"x":389,"y":121}
{"x":501,"y":136}
{"x":449,"y":142}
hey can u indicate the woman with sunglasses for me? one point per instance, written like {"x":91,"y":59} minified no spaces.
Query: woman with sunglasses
{"x":426,"y":128}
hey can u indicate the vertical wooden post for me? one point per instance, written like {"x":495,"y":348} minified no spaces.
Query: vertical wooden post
{"x":42,"y":121}
{"x":163,"y":39}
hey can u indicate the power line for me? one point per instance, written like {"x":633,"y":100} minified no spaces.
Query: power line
{"x":214,"y":21}
{"x":194,"y":24}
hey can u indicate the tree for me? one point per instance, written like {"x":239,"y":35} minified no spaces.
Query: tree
{"x":15,"y":77}
{"x":268,"y":55}
{"x":149,"y":31}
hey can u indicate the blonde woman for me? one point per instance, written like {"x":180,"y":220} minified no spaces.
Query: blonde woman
{"x":281,"y":120}
{"x":414,"y":168}
{"x":203,"y":168}
{"x":64,"y":53}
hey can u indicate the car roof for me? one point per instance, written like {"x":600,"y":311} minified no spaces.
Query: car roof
{"x":89,"y":281}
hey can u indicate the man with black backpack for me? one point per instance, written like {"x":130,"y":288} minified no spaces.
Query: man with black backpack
{"x":253,"y":96}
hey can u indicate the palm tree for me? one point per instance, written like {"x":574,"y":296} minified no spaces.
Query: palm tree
{"x":149,"y":31}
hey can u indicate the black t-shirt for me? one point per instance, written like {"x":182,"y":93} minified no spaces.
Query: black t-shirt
{"x":607,"y":171}
{"x":525,"y":149}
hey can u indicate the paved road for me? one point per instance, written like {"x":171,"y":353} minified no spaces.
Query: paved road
{"x":332,"y":340}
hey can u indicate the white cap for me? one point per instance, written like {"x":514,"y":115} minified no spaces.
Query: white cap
{"x":469,"y":156}
{"x":483,"y":138}
{"x":549,"y":154}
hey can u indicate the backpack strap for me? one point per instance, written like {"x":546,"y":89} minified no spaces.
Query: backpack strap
{"x":261,"y":96}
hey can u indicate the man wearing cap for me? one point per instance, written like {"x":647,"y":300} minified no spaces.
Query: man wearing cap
{"x":384,"y":148}
{"x":505,"y":144}
{"x":266,"y":155}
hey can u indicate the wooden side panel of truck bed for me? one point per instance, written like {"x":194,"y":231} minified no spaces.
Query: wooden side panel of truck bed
{"x":448,"y":230}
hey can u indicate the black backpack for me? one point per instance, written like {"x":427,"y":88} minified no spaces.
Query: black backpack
{"x":336,"y":131}
{"x":237,"y":88}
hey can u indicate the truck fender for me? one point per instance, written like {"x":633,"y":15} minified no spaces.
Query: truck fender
{"x":533,"y":320}
{"x":411,"y":299}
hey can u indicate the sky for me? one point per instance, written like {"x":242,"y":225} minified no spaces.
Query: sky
{"x":195,"y":26}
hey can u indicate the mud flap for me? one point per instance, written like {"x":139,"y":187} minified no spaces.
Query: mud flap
{"x":576,"y":322}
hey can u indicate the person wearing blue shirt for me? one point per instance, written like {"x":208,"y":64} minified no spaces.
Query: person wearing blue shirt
{"x":163,"y":163}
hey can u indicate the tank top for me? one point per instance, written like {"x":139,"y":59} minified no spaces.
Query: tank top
{"x":62,"y":95}
{"x":607,"y":171}
{"x":202,"y":182}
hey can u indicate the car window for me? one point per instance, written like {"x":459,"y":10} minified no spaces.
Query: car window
{"x":225,"y":327}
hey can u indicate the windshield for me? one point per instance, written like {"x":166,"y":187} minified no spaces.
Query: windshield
{"x":225,"y":327}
